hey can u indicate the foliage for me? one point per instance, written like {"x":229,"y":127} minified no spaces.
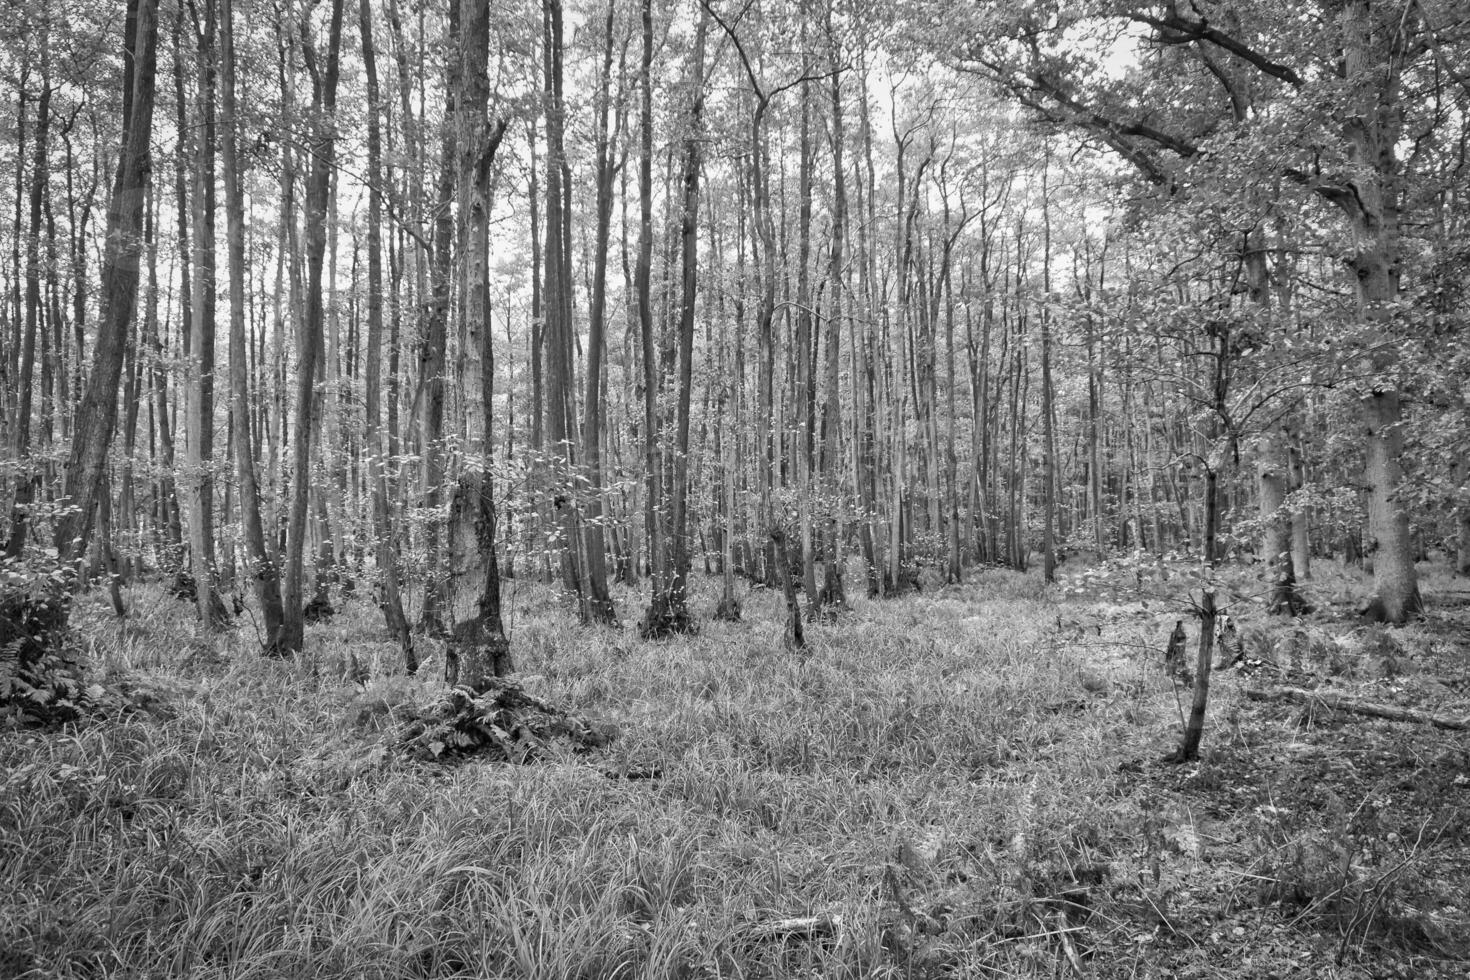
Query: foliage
{"x":500,"y":721}
{"x":938,"y":774}
{"x":41,"y":681}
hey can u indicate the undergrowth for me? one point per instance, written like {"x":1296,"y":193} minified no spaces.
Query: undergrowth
{"x":955,"y":784}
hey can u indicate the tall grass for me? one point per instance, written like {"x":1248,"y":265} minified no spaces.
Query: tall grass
{"x":929,"y":752}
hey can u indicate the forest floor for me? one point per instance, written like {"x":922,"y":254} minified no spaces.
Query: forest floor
{"x":962,"y":783}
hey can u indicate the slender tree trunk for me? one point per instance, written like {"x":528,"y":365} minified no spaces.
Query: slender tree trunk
{"x":374,"y":443}
{"x":557,"y":300}
{"x":199,"y":401}
{"x":25,"y":485}
{"x":433,"y":360}
{"x":1048,"y":409}
{"x":833,"y":594}
{"x":318,"y":192}
{"x":260,"y":558}
{"x":600,"y":606}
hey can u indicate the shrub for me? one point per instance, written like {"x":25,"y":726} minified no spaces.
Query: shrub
{"x":40,"y":679}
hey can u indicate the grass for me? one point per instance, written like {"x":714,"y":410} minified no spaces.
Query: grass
{"x":964,"y":779}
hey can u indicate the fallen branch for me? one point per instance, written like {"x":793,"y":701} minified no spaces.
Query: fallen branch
{"x":1352,"y":705}
{"x":810,"y":926}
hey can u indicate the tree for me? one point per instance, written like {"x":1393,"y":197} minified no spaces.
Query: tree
{"x":600,"y":606}
{"x":477,"y":647}
{"x":96,"y":415}
{"x":261,"y":563}
{"x":318,"y":189}
{"x":374,"y":441}
{"x":1332,"y":106}
{"x":199,"y":382}
{"x":557,"y":300}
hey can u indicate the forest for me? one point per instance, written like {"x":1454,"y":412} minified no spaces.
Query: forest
{"x":734,"y":488}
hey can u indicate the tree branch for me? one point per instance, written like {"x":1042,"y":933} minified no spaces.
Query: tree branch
{"x":1175,"y":28}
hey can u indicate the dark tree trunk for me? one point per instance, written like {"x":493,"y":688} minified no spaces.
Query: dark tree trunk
{"x":477,"y":648}
{"x":96,"y":415}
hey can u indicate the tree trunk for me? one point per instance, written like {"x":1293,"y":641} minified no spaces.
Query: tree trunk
{"x":1048,"y":409}
{"x":833,"y":594}
{"x":374,"y":444}
{"x":199,"y":392}
{"x":1276,"y":544}
{"x":600,"y":608}
{"x":25,"y":481}
{"x":318,"y":191}
{"x":557,"y":300}
{"x":261,"y":560}
{"x":1372,"y":131}
{"x":477,"y":648}
{"x":96,"y":415}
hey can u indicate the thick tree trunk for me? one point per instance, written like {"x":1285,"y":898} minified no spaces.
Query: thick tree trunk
{"x":477,"y":648}
{"x":1372,"y":131}
{"x":96,"y":415}
{"x":1395,"y":581}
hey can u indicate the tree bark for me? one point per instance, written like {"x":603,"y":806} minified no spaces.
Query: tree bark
{"x":199,"y":391}
{"x":1372,"y":128}
{"x":96,"y":415}
{"x":600,"y":606}
{"x":833,"y":594}
{"x":373,"y":442}
{"x":25,"y":486}
{"x":261,"y":566}
{"x":477,"y":647}
{"x":557,"y":301}
{"x":318,"y":191}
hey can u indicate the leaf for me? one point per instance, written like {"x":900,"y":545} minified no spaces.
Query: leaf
{"x":436,"y":747}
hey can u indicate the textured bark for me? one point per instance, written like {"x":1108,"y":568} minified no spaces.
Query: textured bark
{"x":791,"y":636}
{"x":477,"y":647}
{"x":1372,"y":128}
{"x":96,"y":414}
{"x":1276,"y":533}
